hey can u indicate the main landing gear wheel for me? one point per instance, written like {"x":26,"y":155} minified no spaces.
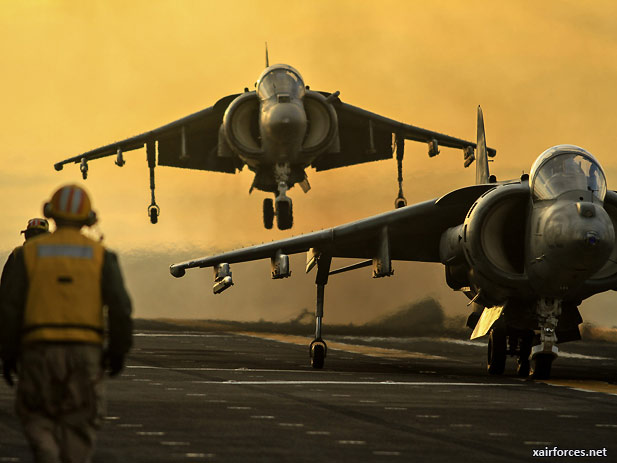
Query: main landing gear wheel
{"x":496,"y":360}
{"x":284,"y":215}
{"x":268,"y":209}
{"x":318,"y":351}
{"x":542,"y":366}
{"x":523,"y":367}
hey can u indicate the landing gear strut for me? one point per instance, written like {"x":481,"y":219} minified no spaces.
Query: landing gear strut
{"x":153,"y":209}
{"x":318,"y":348}
{"x":400,"y":200}
{"x":543,"y":354}
{"x":282,"y":203}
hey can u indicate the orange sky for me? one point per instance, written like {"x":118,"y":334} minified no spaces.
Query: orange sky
{"x":77,"y":75}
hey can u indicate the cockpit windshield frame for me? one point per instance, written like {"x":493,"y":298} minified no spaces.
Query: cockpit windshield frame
{"x":566,"y":168}
{"x":280,"y":80}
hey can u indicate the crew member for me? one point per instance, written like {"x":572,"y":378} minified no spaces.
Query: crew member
{"x":34,"y":228}
{"x":54,"y":325}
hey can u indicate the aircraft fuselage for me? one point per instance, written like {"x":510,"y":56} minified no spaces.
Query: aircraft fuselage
{"x":568,"y":242}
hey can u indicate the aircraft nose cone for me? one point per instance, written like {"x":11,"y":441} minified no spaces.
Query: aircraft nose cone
{"x":285,"y":123}
{"x":580,"y":241}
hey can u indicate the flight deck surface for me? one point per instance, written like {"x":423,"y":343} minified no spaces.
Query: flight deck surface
{"x":252,"y":397}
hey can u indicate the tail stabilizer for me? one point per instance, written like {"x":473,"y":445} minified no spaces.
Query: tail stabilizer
{"x":482,"y":172}
{"x":267,"y":59}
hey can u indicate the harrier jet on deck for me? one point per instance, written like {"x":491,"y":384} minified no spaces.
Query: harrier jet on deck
{"x":526,"y":252}
{"x":277,"y":130}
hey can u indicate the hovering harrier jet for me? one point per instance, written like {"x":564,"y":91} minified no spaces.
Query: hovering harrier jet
{"x":278,"y":131}
{"x":526,"y":252}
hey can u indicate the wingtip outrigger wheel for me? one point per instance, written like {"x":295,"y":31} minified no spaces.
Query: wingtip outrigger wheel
{"x":318,"y":350}
{"x":153,"y":212}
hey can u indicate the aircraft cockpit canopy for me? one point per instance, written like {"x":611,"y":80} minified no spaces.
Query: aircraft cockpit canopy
{"x":565,"y":168}
{"x":281,"y":81}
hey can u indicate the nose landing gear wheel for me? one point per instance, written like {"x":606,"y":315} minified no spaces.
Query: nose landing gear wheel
{"x":496,"y":360}
{"x":284,"y":215}
{"x":318,"y":350}
{"x":399,"y":202}
{"x":268,"y":216}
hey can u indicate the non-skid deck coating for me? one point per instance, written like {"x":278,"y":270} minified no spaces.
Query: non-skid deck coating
{"x":189,"y":397}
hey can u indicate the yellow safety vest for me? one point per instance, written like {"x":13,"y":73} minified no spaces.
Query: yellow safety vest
{"x":64,"y":295}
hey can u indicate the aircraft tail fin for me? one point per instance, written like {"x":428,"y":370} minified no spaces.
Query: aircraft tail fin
{"x":482,"y":172}
{"x":267,"y":59}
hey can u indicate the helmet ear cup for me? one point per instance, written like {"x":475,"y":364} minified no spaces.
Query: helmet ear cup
{"x":48,"y":210}
{"x":92,"y":219}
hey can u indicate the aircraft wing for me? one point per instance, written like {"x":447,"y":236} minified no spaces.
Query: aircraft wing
{"x":366,"y":136}
{"x":190,"y":142}
{"x":413,"y":232}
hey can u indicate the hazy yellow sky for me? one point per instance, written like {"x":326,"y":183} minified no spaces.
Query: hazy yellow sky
{"x":77,"y":75}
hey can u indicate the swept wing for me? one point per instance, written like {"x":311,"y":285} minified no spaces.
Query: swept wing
{"x":190,"y":142}
{"x":413,"y":234}
{"x":366,"y":136}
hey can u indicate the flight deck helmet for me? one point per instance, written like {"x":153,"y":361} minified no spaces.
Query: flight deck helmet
{"x":70,"y":203}
{"x":35,"y":227}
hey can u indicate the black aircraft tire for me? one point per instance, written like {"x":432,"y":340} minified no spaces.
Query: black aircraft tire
{"x":318,"y":356}
{"x":284,"y":215}
{"x":542,"y":366}
{"x":154,"y":215}
{"x":523,"y":368}
{"x":496,"y":360}
{"x":268,"y":216}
